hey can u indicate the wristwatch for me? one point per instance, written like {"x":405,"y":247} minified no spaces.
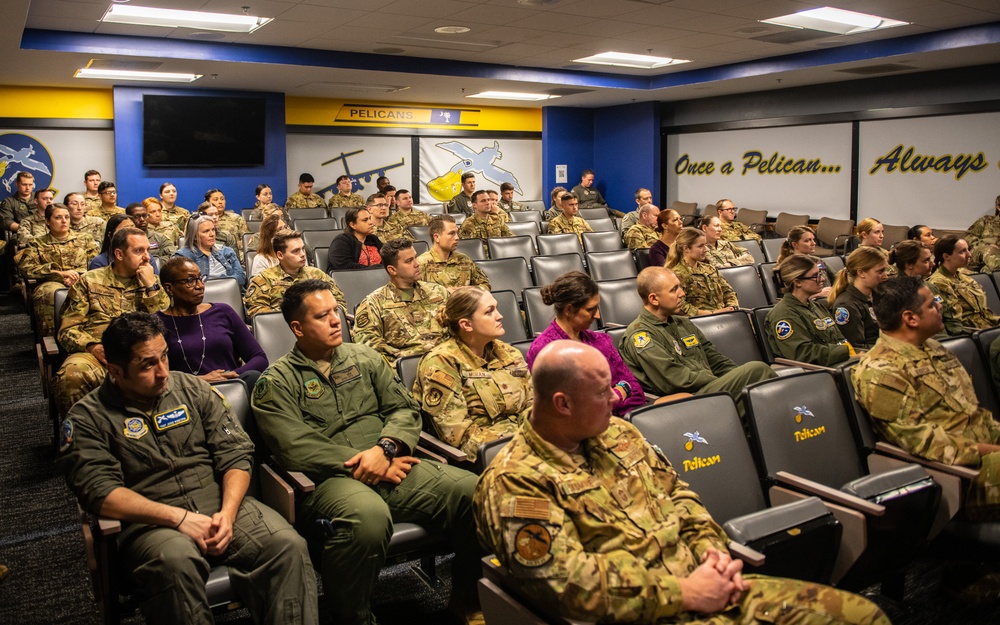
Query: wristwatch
{"x":153,"y":288}
{"x":389,"y":448}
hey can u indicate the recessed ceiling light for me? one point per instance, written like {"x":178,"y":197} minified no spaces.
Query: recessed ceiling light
{"x":624,"y":59}
{"x":452,"y":30}
{"x":513,"y":95}
{"x":117,"y":74}
{"x":174,"y":18}
{"x":837,"y":21}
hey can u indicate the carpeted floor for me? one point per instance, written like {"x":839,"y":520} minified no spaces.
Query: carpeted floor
{"x":40,"y":538}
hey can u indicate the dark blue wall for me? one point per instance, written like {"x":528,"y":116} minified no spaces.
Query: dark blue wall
{"x":621,"y":144}
{"x":136,"y":182}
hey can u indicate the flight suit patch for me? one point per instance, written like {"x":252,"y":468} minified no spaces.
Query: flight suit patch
{"x":314,"y":388}
{"x":690,"y":341}
{"x":346,"y":375}
{"x":531,"y":508}
{"x":640,"y":339}
{"x":842,"y":316}
{"x":135,"y":428}
{"x":783,"y":330}
{"x":65,"y":435}
{"x":261,"y":390}
{"x":171,"y":418}
{"x":533,"y":545}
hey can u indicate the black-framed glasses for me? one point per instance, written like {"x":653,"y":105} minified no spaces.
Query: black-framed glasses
{"x":189,"y":281}
{"x":731,"y":208}
{"x":817,"y":277}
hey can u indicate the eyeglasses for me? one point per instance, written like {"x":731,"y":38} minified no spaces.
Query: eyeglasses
{"x":731,"y":208}
{"x":189,"y":281}
{"x":109,"y":192}
{"x":817,"y":277}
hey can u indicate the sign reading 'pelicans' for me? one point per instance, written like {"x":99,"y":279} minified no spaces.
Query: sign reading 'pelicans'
{"x":407,"y":115}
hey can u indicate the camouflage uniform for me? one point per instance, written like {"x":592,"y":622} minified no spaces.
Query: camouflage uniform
{"x":178,"y":216}
{"x":461,"y":203}
{"x":94,"y":226}
{"x":92,"y":203}
{"x":475,"y":228}
{"x":474,"y":400}
{"x":952,"y":325}
{"x":351,"y":200}
{"x":160,"y":245}
{"x":398,"y":325}
{"x":923,"y":400}
{"x":512,"y":206}
{"x":853,"y":312}
{"x":725,"y":254}
{"x":97,"y":297}
{"x":966,"y":298}
{"x":704,"y":288}
{"x":502,"y":216}
{"x":605,"y":534}
{"x":261,"y":212}
{"x":235,"y":226}
{"x":183,"y":465}
{"x":737,"y":231}
{"x":640,"y":237}
{"x":314,"y":416}
{"x":266,"y":289}
{"x":458,"y":270}
{"x":397,"y":223}
{"x":32,"y":226}
{"x":673,"y":356}
{"x":805,"y":332}
{"x":301,"y":200}
{"x":561,"y":224}
{"x":105,"y":215}
{"x":43,"y":257}
{"x":981,"y":236}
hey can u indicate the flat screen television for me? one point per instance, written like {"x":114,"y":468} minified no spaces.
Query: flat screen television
{"x":202,"y":131}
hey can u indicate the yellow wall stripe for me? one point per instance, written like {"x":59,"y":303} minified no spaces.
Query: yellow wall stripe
{"x":54,"y":103}
{"x":357,"y":113}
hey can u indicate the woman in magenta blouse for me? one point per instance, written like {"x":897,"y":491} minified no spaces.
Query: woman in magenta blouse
{"x":575,"y":298}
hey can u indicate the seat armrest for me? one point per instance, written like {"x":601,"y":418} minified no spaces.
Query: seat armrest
{"x":108,"y":527}
{"x":803,"y":365}
{"x":296,"y":479}
{"x":277,"y":493}
{"x":441,"y":448}
{"x":423,"y":452}
{"x":829,"y":494}
{"x":748,"y":555}
{"x":50,"y":346}
{"x":892,"y":451}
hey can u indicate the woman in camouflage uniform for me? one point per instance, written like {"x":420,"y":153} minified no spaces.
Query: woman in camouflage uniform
{"x":959,"y":291}
{"x":706,"y":292}
{"x":720,"y":252}
{"x":913,"y":258}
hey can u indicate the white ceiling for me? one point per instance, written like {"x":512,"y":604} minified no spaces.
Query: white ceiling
{"x":710,"y":33}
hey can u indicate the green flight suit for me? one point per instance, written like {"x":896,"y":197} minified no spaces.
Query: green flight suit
{"x":805,"y":332}
{"x":673,"y":356}
{"x":316,"y":416}
{"x":177,"y":455}
{"x":853,"y":313}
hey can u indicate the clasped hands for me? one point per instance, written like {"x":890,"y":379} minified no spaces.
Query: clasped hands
{"x":718,"y":582}
{"x":372,"y":467}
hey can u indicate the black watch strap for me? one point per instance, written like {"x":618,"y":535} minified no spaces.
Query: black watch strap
{"x":389,"y":448}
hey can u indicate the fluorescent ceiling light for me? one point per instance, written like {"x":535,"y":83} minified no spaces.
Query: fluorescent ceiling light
{"x":837,"y":21}
{"x":120,"y":74}
{"x":513,"y":95}
{"x":624,"y":59}
{"x":173,"y":18}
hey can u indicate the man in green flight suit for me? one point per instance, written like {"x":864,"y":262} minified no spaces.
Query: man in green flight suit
{"x":594,"y":523}
{"x":668,"y":354}
{"x":161,"y":451}
{"x":338,"y":413}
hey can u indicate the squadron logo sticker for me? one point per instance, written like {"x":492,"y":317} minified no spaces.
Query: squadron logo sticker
{"x":783,"y":330}
{"x":842,"y":316}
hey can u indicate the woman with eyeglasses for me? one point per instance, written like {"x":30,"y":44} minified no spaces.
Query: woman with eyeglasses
{"x":966,"y":298}
{"x":718,"y":251}
{"x":851,"y":296}
{"x":203,"y":339}
{"x":913,"y":258}
{"x":214,"y":259}
{"x":669,"y":224}
{"x":705,"y":291}
{"x":799,"y":328}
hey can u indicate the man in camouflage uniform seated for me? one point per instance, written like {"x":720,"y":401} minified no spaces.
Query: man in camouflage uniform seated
{"x":397,"y":223}
{"x":593,"y":522}
{"x":109,"y":202}
{"x":568,"y":222}
{"x":343,"y":198}
{"x":127,"y":284}
{"x":507,"y":203}
{"x":35,"y":224}
{"x":982,"y":238}
{"x":443,"y":264}
{"x":266,"y":289}
{"x":400,"y":318}
{"x":921,"y":398}
{"x":643,"y":234}
{"x":304,"y":197}
{"x":56,"y":260}
{"x":733,"y":230}
{"x":483,"y":224}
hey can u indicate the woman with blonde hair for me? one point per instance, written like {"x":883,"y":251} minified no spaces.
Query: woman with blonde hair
{"x":265,"y":257}
{"x":720,"y":252}
{"x":156,"y":222}
{"x":475,"y":387}
{"x":963,"y":294}
{"x":669,"y":224}
{"x":851,"y":296}
{"x":868,"y":233}
{"x":797,"y":327}
{"x":802,"y":240}
{"x":705,"y":291}
{"x":914,"y":258}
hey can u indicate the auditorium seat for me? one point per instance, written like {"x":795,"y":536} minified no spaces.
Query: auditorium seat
{"x":990,"y":289}
{"x":511,"y":247}
{"x":786,"y":221}
{"x":225,"y":291}
{"x":421,"y":233}
{"x":602,"y":224}
{"x":772,"y":249}
{"x":358,"y":283}
{"x":832,"y":236}
{"x":513,"y":322}
{"x":602,"y":241}
{"x":614,"y":265}
{"x":767,"y":280}
{"x":525,"y":228}
{"x":745,"y":281}
{"x":507,"y":274}
{"x":318,"y":212}
{"x":320,"y":238}
{"x":754,"y":248}
{"x":592,"y":213}
{"x":528,"y":215}
{"x":326,"y":223}
{"x":620,"y":302}
{"x":473,"y":248}
{"x":732,"y":334}
{"x":551,"y":244}
{"x":546,"y":268}
{"x":756,"y":220}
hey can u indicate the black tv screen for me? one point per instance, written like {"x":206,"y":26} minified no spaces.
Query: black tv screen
{"x":202,"y":131}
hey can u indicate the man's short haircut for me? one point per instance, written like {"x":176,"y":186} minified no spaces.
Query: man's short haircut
{"x":492,"y":192}
{"x":436,"y":224}
{"x":386,"y":189}
{"x":719,"y":203}
{"x":400,"y":192}
{"x":125,"y":332}
{"x":41,"y":191}
{"x":646,"y":209}
{"x":506,"y":187}
{"x":292,"y":302}
{"x":391,"y":250}
{"x":476,"y":194}
{"x":307,"y":178}
{"x":374,"y":196}
{"x":119,"y":240}
{"x":89,"y":173}
{"x":468,"y":175}
{"x":104,"y":186}
{"x":279,"y":242}
{"x":340,"y":178}
{"x":25,"y":175}
{"x":71,"y":194}
{"x":895,"y":296}
{"x":639,"y":191}
{"x":568,"y":196}
{"x":648,"y":281}
{"x":130,"y":209}
{"x":380,"y":180}
{"x":587,"y":172}
{"x":51,"y":209}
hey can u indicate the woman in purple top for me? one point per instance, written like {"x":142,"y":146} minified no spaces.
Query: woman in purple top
{"x":575,"y":298}
{"x":207,"y":340}
{"x":669,"y":224}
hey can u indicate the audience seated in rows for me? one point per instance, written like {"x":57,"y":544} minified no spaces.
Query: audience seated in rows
{"x":357,"y":247}
{"x":215,"y":260}
{"x":267,"y":288}
{"x":443,"y":264}
{"x":706,"y":291}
